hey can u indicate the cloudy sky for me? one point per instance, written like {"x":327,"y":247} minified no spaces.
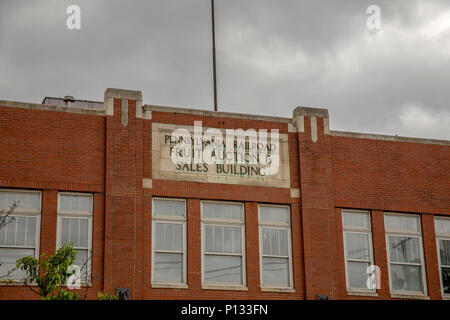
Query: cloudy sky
{"x":272,"y":55}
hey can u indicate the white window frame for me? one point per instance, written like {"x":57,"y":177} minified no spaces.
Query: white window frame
{"x":78,"y":215}
{"x":357,"y":230}
{"x":441,"y":236}
{"x":26,"y":213}
{"x":275,"y":225}
{"x":412,"y":234}
{"x":227,"y":223}
{"x":174,"y":220}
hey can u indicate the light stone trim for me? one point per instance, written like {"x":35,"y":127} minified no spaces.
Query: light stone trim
{"x":45,"y":107}
{"x":224,"y":287}
{"x":311,"y":111}
{"x":314,"y":129}
{"x":291,"y":128}
{"x":410,"y":296}
{"x":388,"y":138}
{"x":109,"y":106}
{"x":147,"y":114}
{"x":299,"y":122}
{"x":170,"y":285}
{"x":124,"y":113}
{"x":164,"y":169}
{"x":139,"y":109}
{"x":200,"y":112}
{"x":295,"y":193}
{"x":276,"y":289}
{"x":123,"y":94}
{"x":326,"y":125}
{"x":147,"y":183}
{"x":362,"y":293}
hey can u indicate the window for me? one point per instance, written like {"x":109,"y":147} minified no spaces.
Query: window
{"x":75,"y":226}
{"x":223,"y":244}
{"x":275,"y":246}
{"x":169,"y":244}
{"x":442,"y":227}
{"x":357,"y":248}
{"x":405,"y":253}
{"x":20,"y":237}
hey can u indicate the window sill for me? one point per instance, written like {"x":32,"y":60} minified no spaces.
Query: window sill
{"x":224,"y":287}
{"x":277,"y":289}
{"x":17,"y":283}
{"x":410,"y":296}
{"x":362,"y":293}
{"x":445,"y":297}
{"x":170,"y":285}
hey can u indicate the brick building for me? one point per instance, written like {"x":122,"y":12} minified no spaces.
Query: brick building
{"x":101,"y":176}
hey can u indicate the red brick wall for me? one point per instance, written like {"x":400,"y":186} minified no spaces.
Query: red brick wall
{"x":54,"y":151}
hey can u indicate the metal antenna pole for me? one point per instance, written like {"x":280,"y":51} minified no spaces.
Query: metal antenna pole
{"x":214,"y":55}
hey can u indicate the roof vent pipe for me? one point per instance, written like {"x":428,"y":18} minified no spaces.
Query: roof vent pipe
{"x":68,"y":100}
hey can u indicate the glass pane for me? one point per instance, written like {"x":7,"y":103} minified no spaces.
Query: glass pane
{"x":169,"y":208}
{"x":357,"y":274}
{"x":31,"y":231}
{"x":11,"y":232}
{"x":27,"y":200}
{"x":404,"y":249}
{"x":169,"y":236}
{"x":8,"y":258}
{"x":222,"y":239}
{"x":275,"y":272}
{"x":75,"y":231}
{"x":75,"y":202}
{"x":83,"y":233}
{"x":209,"y":238}
{"x":356,"y":219}
{"x":82,"y":260}
{"x":444,"y":251}
{"x":65,"y":231}
{"x":283,"y":242}
{"x":168,"y":267}
{"x":2,"y":236}
{"x":21,"y":230}
{"x":274,"y":214}
{"x":406,"y":278}
{"x":445,"y":273}
{"x":177,"y":236}
{"x":274,"y":242}
{"x":223,"y":269}
{"x":266,"y":240}
{"x":228,"y":240}
{"x":402,"y":222}
{"x":237,"y":240}
{"x":85,"y":203}
{"x":218,"y":239}
{"x":357,"y":245}
{"x":222,"y":211}
{"x":442,"y":225}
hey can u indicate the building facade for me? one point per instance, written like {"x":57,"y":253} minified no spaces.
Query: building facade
{"x":153,"y":204}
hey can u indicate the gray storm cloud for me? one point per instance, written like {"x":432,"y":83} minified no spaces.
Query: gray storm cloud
{"x":272,"y":56}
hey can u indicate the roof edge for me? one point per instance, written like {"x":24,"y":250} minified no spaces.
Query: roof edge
{"x":374,"y":136}
{"x":201,"y":112}
{"x":45,"y":107}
